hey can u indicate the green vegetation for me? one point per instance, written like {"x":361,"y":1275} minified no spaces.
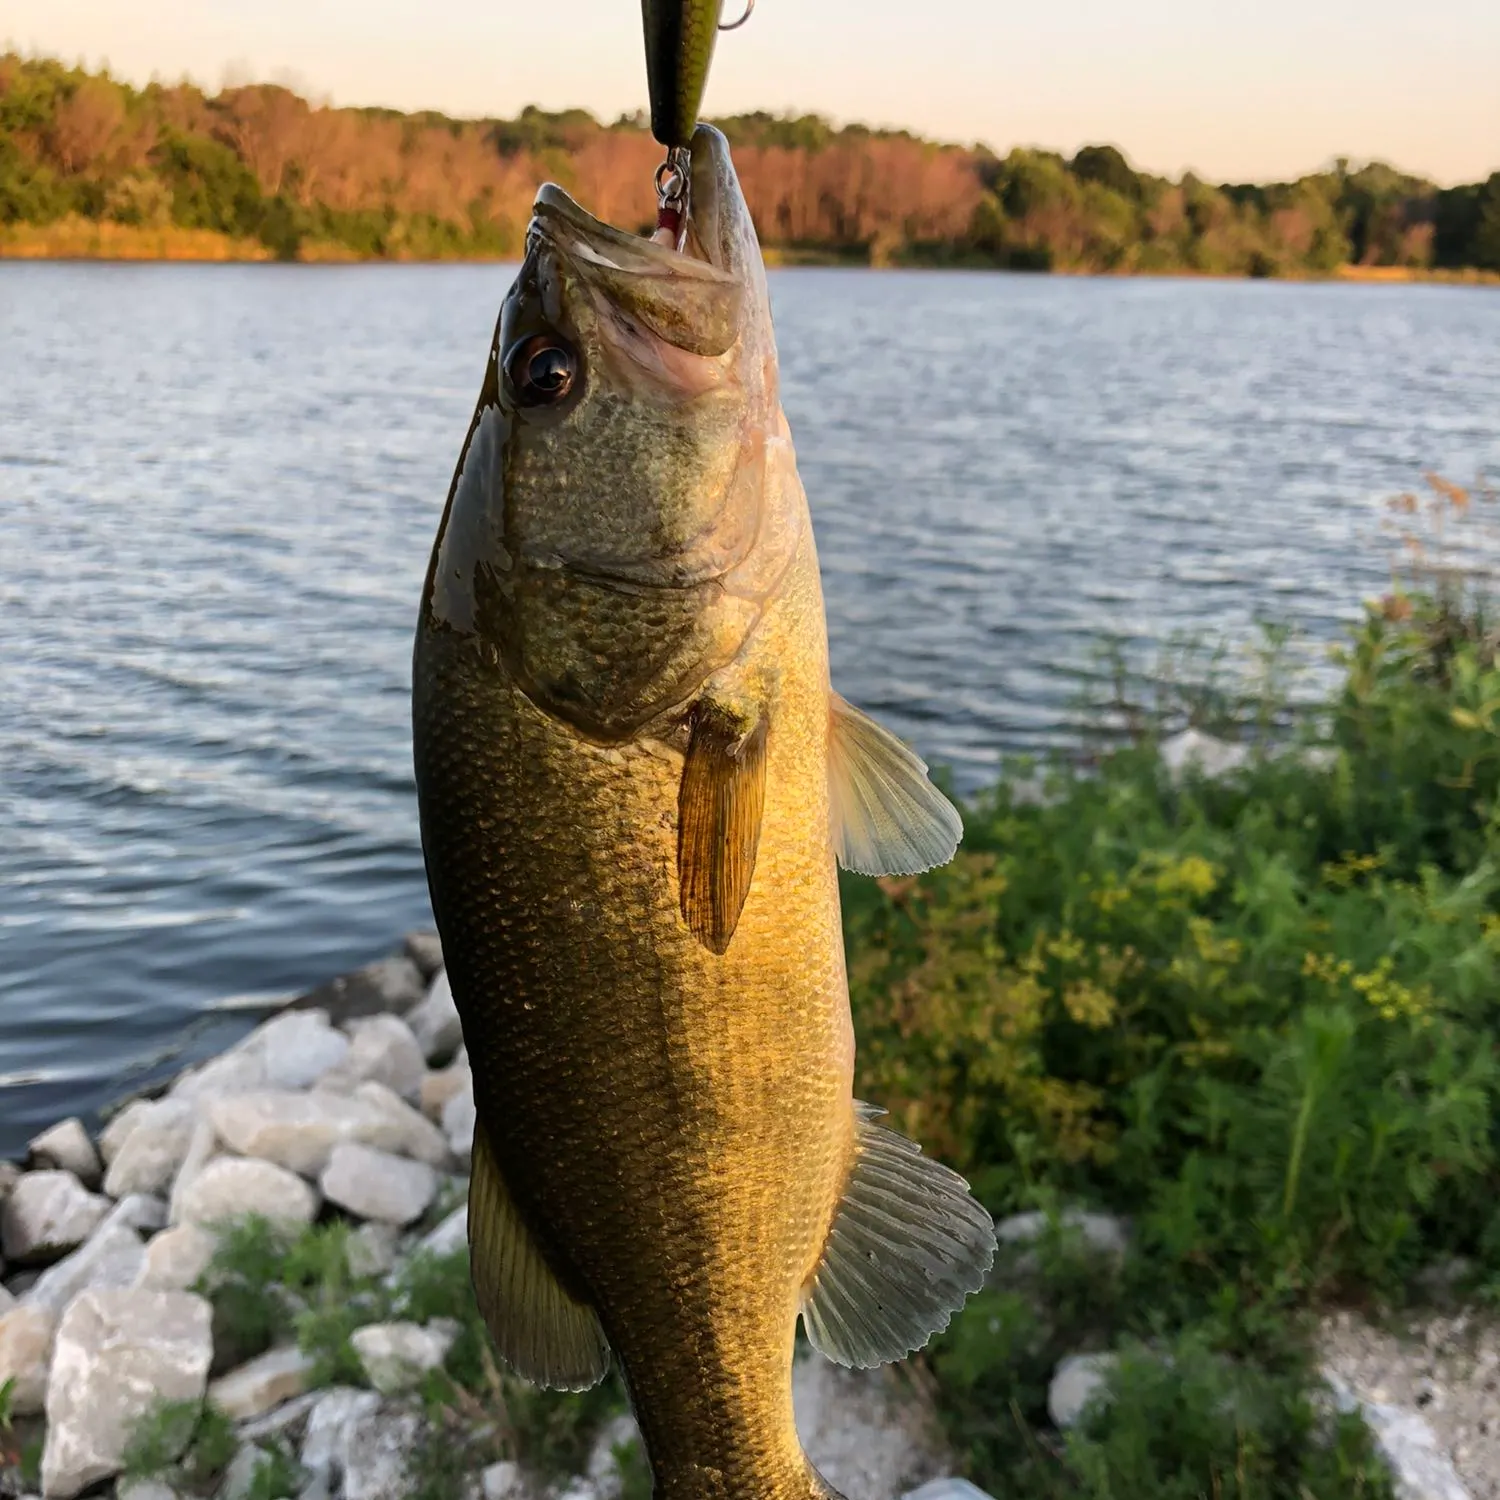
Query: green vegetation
{"x":1256,"y":1016}
{"x":188,"y":1442}
{"x":264,"y":1281}
{"x":89,"y":164}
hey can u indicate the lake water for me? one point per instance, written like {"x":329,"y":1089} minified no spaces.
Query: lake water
{"x":218,"y":486}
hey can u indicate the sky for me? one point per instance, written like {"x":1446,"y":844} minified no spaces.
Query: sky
{"x":1234,"y":91}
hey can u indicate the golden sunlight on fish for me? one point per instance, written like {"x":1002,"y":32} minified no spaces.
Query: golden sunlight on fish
{"x":634,"y":781}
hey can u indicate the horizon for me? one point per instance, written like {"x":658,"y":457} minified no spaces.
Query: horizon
{"x":1230,"y":99}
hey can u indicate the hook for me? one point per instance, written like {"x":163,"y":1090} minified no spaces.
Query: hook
{"x":735,"y":25}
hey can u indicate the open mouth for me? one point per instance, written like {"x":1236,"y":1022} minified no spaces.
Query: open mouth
{"x":707,"y":251}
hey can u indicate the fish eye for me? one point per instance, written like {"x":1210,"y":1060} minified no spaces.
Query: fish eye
{"x":542,"y":369}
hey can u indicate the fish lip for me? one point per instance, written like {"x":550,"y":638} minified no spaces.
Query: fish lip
{"x":566,"y":224}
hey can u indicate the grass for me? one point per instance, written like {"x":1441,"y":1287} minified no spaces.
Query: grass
{"x":77,"y":238}
{"x":188,"y":1443}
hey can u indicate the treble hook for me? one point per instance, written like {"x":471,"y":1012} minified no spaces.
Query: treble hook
{"x":735,"y":25}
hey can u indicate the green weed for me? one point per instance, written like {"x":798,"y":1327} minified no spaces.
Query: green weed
{"x":187,"y":1443}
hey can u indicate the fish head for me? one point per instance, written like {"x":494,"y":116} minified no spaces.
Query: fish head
{"x":622,"y":492}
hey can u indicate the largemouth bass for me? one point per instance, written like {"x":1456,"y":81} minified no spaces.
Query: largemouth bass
{"x":634,"y":781}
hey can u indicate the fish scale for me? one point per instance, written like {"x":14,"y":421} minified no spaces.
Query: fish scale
{"x":726,"y":1081}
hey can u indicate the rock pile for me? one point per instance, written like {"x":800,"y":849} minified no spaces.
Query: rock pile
{"x":355,"y":1102}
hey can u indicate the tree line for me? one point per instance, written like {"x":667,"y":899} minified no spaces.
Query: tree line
{"x":260,"y":163}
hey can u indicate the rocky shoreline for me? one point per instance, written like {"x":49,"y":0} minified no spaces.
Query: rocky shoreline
{"x":353,"y":1109}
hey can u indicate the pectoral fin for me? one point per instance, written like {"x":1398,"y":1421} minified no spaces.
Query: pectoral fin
{"x":908,"y":1244}
{"x":887,"y":817}
{"x":542,"y":1332}
{"x":719,"y":810}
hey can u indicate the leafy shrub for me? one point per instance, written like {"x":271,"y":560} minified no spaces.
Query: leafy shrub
{"x":1255,"y":1015}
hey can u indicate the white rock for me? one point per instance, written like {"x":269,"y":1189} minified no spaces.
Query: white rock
{"x":425,"y":950}
{"x":435,"y":1022}
{"x":406,"y":1132}
{"x":117,"y":1131}
{"x":298,"y":1048}
{"x":232,"y":1187}
{"x":203,"y":1148}
{"x":1419,"y":1467}
{"x":377,"y":1447}
{"x":458,"y":1124}
{"x":48,"y":1214}
{"x":947,"y":1489}
{"x":438,"y":1088}
{"x":118,"y":1354}
{"x":1077,"y":1380}
{"x":395,"y":1356}
{"x":151,"y":1154}
{"x":238,"y":1072}
{"x":372,"y":1250}
{"x":385,"y":1051}
{"x":113,"y":1258}
{"x":67,"y":1148}
{"x":376,"y":1185}
{"x":26,"y":1333}
{"x":281,"y":1419}
{"x":450,"y":1236}
{"x":1102,"y":1233}
{"x":1202,"y":753}
{"x":143,"y":1211}
{"x":296,"y":1131}
{"x":255,"y":1388}
{"x":865,"y":1435}
{"x":299,"y":1131}
{"x":239,"y":1477}
{"x":176,"y":1258}
{"x":325,"y":1445}
{"x":503,"y":1481}
{"x":603,"y":1470}
{"x":146,"y":1489}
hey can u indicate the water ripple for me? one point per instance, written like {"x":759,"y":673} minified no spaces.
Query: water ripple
{"x":218,"y":486}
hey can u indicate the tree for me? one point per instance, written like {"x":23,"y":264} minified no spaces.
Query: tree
{"x":1486,"y":249}
{"x":84,"y":123}
{"x":1107,"y":166}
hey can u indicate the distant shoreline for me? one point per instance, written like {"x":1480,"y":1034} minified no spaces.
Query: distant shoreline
{"x":90,"y":240}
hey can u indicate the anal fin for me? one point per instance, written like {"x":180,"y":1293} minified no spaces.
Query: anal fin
{"x":541,"y":1331}
{"x":887,"y":817}
{"x":909,"y":1243}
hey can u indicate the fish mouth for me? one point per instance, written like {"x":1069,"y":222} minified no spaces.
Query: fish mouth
{"x":696,"y":292}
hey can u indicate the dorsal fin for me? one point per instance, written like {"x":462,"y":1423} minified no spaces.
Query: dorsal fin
{"x":908,"y":1244}
{"x":887,"y":818}
{"x":542,"y":1332}
{"x":719,"y":810}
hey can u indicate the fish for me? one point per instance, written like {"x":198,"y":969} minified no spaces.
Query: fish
{"x":680,"y":37}
{"x":635,"y":784}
